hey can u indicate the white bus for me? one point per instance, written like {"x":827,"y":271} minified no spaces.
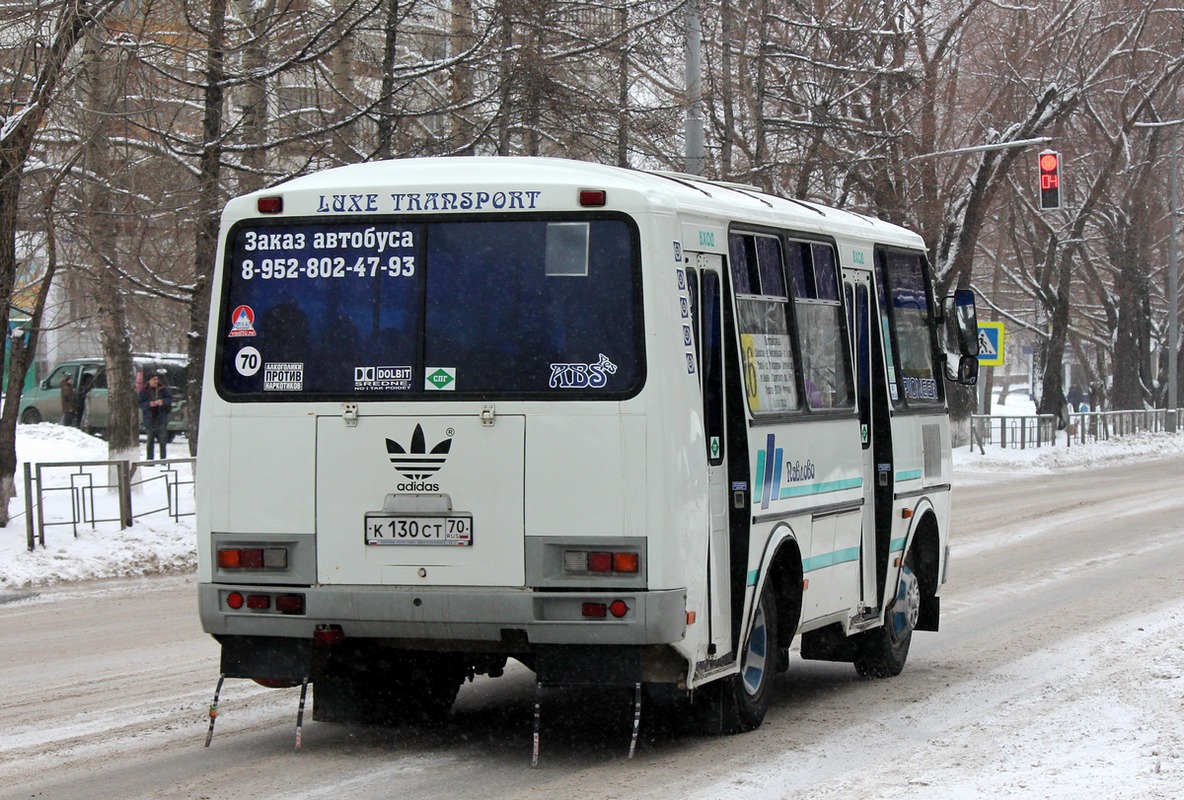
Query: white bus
{"x":624,"y":427}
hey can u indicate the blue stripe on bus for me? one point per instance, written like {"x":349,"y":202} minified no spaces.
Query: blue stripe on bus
{"x":897,"y":545}
{"x":909,"y":475}
{"x":820,"y":488}
{"x":770,"y":453}
{"x":752,"y":576}
{"x":759,"y":482}
{"x":830,"y":559}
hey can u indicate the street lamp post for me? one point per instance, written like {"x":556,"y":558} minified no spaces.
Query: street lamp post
{"x":1173,"y":290}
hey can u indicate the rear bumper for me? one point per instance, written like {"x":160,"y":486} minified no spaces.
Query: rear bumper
{"x":460,"y":616}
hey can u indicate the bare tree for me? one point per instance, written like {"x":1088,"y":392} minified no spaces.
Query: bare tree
{"x":33,"y":74}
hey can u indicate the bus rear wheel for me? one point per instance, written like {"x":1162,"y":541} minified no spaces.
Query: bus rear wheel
{"x":882,"y":653}
{"x":744,"y":698}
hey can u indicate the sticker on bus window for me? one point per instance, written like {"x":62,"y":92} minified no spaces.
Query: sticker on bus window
{"x":283,"y":376}
{"x":242,"y":322}
{"x":582,"y":376}
{"x":677,"y":252}
{"x":439,"y":379}
{"x":248,"y":361}
{"x":389,"y":378}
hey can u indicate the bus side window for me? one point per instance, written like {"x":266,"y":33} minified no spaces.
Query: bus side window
{"x":712,"y":368}
{"x":826,"y":356}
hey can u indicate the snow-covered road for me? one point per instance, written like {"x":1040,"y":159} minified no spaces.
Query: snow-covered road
{"x":1059,"y":672}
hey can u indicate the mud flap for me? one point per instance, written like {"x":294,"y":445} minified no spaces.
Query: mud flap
{"x":270,"y":658}
{"x":580,"y":665}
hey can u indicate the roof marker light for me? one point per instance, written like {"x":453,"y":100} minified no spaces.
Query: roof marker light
{"x":270,"y":205}
{"x":594,"y":198}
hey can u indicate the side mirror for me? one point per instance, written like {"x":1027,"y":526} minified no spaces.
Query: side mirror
{"x":962,"y":369}
{"x":960,"y":308}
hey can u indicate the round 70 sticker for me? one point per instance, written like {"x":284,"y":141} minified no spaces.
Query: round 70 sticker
{"x":248,"y":361}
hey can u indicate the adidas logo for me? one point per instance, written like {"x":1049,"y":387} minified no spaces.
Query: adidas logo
{"x":415,"y":462}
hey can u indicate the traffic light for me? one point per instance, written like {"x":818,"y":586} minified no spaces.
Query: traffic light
{"x":1050,"y":180}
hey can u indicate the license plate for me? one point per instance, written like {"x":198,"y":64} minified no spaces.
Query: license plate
{"x":455,"y":530}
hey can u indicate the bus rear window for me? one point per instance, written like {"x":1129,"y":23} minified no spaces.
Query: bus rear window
{"x":385,"y":309}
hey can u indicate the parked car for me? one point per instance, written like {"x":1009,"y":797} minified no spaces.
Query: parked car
{"x":44,"y":403}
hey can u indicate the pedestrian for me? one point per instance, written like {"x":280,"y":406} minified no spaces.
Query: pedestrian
{"x":69,"y":401}
{"x":88,"y":382}
{"x":156,"y":401}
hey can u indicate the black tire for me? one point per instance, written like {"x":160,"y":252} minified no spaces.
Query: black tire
{"x":882,"y":653}
{"x":743,"y":699}
{"x":31,"y":416}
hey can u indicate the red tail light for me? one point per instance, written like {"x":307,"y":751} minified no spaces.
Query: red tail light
{"x":253,"y":558}
{"x":624,"y":562}
{"x":290,"y":604}
{"x":600,"y":562}
{"x":594,"y":610}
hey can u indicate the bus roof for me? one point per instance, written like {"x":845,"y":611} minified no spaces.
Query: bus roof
{"x":655,"y":191}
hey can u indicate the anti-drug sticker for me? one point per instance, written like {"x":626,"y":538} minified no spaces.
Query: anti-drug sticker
{"x":283,"y":376}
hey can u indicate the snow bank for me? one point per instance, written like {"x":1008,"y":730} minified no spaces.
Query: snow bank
{"x":154,"y":544}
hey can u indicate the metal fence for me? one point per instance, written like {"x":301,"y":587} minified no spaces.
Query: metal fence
{"x":103,"y":492}
{"x":1041,"y":430}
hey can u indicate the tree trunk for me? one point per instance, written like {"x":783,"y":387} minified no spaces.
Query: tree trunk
{"x":16,"y":144}
{"x":208,"y":205}
{"x":100,"y":89}
{"x":461,"y":85}
{"x":256,"y":115}
{"x":1052,"y":395}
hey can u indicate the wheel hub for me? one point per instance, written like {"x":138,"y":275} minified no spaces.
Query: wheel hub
{"x":906,"y":609}
{"x":752,"y":670}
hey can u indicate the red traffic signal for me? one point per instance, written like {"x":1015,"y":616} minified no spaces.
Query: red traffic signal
{"x":1050,"y":180}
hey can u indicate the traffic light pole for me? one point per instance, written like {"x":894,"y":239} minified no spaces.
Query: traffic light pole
{"x":1173,"y":290}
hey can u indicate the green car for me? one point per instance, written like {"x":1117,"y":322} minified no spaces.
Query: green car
{"x":44,"y":403}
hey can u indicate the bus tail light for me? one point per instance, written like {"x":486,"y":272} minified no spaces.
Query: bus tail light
{"x":252,"y":558}
{"x":282,"y":603}
{"x":594,"y":610}
{"x":290,"y":603}
{"x":581,"y":562}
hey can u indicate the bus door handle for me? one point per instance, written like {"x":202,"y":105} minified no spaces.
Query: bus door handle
{"x":882,"y":473}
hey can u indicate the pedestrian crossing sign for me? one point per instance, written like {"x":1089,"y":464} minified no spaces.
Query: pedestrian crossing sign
{"x":990,"y":344}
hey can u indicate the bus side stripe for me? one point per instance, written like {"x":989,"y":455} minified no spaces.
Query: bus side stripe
{"x":759,"y":483}
{"x":843,"y":556}
{"x":770,"y":453}
{"x":820,"y":488}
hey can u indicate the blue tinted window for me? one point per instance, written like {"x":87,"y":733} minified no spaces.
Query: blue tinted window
{"x":382,"y":309}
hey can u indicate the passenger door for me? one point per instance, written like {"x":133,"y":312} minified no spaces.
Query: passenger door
{"x":705,"y":285}
{"x":857,"y":291}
